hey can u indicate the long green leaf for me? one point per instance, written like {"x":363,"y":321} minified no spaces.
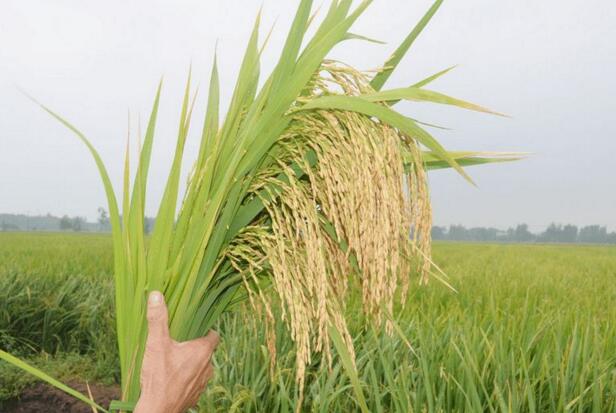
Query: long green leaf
{"x":349,"y":367}
{"x":165,"y":219}
{"x":424,"y":95}
{"x":427,"y":81}
{"x":465,"y":159}
{"x":353,"y":36}
{"x":432,"y":78}
{"x":114,"y":217}
{"x":41,"y":375}
{"x":379,"y":80}
{"x":290,"y":51}
{"x":146,"y":151}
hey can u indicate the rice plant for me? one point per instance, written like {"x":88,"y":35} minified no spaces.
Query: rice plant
{"x":307,"y":189}
{"x":530,"y":330}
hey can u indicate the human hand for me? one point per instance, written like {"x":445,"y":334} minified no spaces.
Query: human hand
{"x":173,"y":374}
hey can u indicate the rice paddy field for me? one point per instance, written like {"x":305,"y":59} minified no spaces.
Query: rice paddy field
{"x":531,"y":328}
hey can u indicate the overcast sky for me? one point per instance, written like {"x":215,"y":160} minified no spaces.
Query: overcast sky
{"x":550,"y":64}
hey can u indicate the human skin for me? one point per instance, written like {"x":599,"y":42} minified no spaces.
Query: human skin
{"x":173,"y":374}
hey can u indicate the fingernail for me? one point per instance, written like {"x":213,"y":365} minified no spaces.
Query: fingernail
{"x":155,"y":298}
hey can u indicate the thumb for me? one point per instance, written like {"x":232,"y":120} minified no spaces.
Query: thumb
{"x":158,"y":318}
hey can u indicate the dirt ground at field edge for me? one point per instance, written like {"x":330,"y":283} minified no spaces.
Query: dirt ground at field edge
{"x":42,"y":398}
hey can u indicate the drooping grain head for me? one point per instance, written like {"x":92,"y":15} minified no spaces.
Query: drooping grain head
{"x":349,"y":212}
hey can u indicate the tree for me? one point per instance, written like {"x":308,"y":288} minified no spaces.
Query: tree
{"x":65,"y":223}
{"x":458,"y":233}
{"x":569,"y":233}
{"x":553,"y":233}
{"x":439,"y":233}
{"x":103,"y":219}
{"x":78,"y":224}
{"x":7,"y":226}
{"x":593,"y":234}
{"x":522,"y":234}
{"x":481,"y":234}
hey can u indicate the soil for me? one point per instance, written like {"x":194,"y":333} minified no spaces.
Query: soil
{"x":42,"y":398}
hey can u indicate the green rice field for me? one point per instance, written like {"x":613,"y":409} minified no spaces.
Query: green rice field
{"x":531,"y":328}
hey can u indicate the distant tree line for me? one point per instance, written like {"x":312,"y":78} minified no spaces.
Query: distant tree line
{"x":595,"y":234}
{"x":76,"y":224}
{"x":49,"y":222}
{"x":558,"y":233}
{"x":21,"y":222}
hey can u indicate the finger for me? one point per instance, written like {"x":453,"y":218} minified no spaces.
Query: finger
{"x":158,"y":318}
{"x":208,"y":343}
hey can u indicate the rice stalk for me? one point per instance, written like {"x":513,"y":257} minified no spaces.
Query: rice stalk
{"x":311,"y":184}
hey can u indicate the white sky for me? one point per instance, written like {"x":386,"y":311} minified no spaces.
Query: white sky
{"x":550,"y":64}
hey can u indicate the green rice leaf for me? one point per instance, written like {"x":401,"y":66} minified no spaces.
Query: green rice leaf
{"x":427,"y":81}
{"x":353,"y":36}
{"x":423,"y":95}
{"x":165,"y":219}
{"x":146,"y":152}
{"x":114,"y":218}
{"x":432,"y":78}
{"x":379,"y":80}
{"x":41,"y":375}
{"x":465,"y":159}
{"x":210,"y":125}
{"x":290,"y":51}
{"x":349,"y":367}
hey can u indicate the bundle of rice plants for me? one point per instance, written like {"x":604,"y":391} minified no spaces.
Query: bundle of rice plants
{"x":311,"y":184}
